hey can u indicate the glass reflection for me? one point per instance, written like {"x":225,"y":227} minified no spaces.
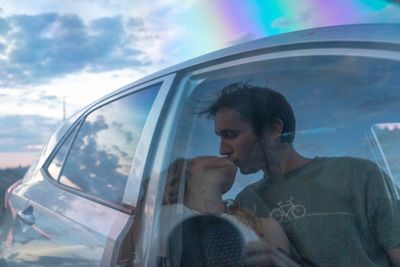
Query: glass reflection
{"x":101,"y":155}
{"x":56,"y":164}
{"x":346,"y":110}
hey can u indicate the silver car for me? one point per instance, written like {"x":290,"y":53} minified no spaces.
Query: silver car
{"x":95,"y":195}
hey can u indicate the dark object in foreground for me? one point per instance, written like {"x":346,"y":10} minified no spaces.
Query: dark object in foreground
{"x":205,"y":240}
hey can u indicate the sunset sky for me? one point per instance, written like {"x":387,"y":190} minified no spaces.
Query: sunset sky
{"x":79,"y":50}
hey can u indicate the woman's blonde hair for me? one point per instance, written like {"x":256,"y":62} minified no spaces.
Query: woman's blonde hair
{"x":178,"y":174}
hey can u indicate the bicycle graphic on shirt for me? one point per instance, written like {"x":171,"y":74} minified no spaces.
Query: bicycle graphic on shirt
{"x":287,"y":211}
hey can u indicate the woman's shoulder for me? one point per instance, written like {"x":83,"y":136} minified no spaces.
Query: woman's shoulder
{"x":270,"y":222}
{"x":246,"y":231}
{"x":274,"y":234}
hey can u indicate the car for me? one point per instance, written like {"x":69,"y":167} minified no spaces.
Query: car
{"x":94,"y":195}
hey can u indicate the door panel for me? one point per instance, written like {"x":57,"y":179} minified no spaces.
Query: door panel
{"x":71,"y":211}
{"x":72,"y":232}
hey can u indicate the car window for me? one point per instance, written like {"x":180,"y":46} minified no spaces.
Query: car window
{"x":346,"y":110}
{"x":100,"y":158}
{"x":336,"y":104}
{"x":55,"y":165}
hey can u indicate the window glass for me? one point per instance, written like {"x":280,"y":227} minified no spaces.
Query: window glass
{"x":56,"y":163}
{"x":101,"y":155}
{"x":385,"y":138}
{"x":347,"y":117}
{"x":336,"y":104}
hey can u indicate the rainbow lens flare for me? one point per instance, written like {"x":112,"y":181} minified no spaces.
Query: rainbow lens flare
{"x":218,"y":23}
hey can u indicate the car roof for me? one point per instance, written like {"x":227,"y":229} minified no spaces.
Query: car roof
{"x":388,"y":34}
{"x":360,"y":33}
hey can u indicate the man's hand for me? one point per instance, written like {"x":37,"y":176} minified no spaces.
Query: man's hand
{"x":259,"y":253}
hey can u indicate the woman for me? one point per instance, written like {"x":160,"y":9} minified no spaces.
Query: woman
{"x":196,"y":186}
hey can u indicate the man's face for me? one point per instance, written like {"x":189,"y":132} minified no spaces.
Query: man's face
{"x":238,"y":141}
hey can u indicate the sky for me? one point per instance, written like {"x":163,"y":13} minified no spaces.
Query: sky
{"x":76,"y":51}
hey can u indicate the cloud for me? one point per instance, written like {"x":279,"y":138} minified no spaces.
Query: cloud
{"x":2,"y":47}
{"x":304,"y":17}
{"x":282,"y":22}
{"x":47,"y":99}
{"x":4,"y":27}
{"x":50,"y":98}
{"x":17,"y":133}
{"x":40,"y":47}
{"x":389,"y":14}
{"x":34,"y":102}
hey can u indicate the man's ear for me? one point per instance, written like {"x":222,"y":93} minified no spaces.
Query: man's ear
{"x":274,"y":130}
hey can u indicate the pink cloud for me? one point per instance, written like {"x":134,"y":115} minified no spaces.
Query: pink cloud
{"x":15,"y":159}
{"x":389,"y":126}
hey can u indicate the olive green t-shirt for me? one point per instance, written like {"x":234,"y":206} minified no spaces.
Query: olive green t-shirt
{"x":335,"y":211}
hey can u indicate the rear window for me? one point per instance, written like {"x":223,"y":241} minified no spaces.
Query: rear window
{"x":99,"y":160}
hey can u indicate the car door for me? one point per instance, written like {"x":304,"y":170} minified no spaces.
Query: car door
{"x":72,"y":210}
{"x":340,"y":89}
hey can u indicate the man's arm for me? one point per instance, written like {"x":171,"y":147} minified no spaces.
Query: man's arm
{"x":274,"y":234}
{"x":394,"y":256}
{"x":383,"y":205}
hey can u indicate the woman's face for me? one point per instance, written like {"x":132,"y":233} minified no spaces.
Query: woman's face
{"x":213,"y":171}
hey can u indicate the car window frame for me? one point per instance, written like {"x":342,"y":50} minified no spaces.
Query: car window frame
{"x":148,"y":129}
{"x":165,"y":146}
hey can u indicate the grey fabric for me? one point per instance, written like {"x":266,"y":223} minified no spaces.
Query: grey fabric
{"x":335,"y":211}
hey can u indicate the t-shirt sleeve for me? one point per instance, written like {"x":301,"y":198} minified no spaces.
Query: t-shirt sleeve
{"x":383,"y":208}
{"x":252,"y":200}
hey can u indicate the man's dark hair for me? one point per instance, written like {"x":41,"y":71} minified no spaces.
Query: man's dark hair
{"x":259,"y":106}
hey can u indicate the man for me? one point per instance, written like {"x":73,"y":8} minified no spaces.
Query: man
{"x":336,"y":211}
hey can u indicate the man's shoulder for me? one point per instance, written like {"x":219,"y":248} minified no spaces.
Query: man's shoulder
{"x":252,"y":198}
{"x":253,"y":188}
{"x":256,"y":185}
{"x":350,"y":170}
{"x":348,"y":162}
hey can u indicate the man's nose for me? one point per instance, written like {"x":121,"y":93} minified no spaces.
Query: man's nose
{"x":225,"y":149}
